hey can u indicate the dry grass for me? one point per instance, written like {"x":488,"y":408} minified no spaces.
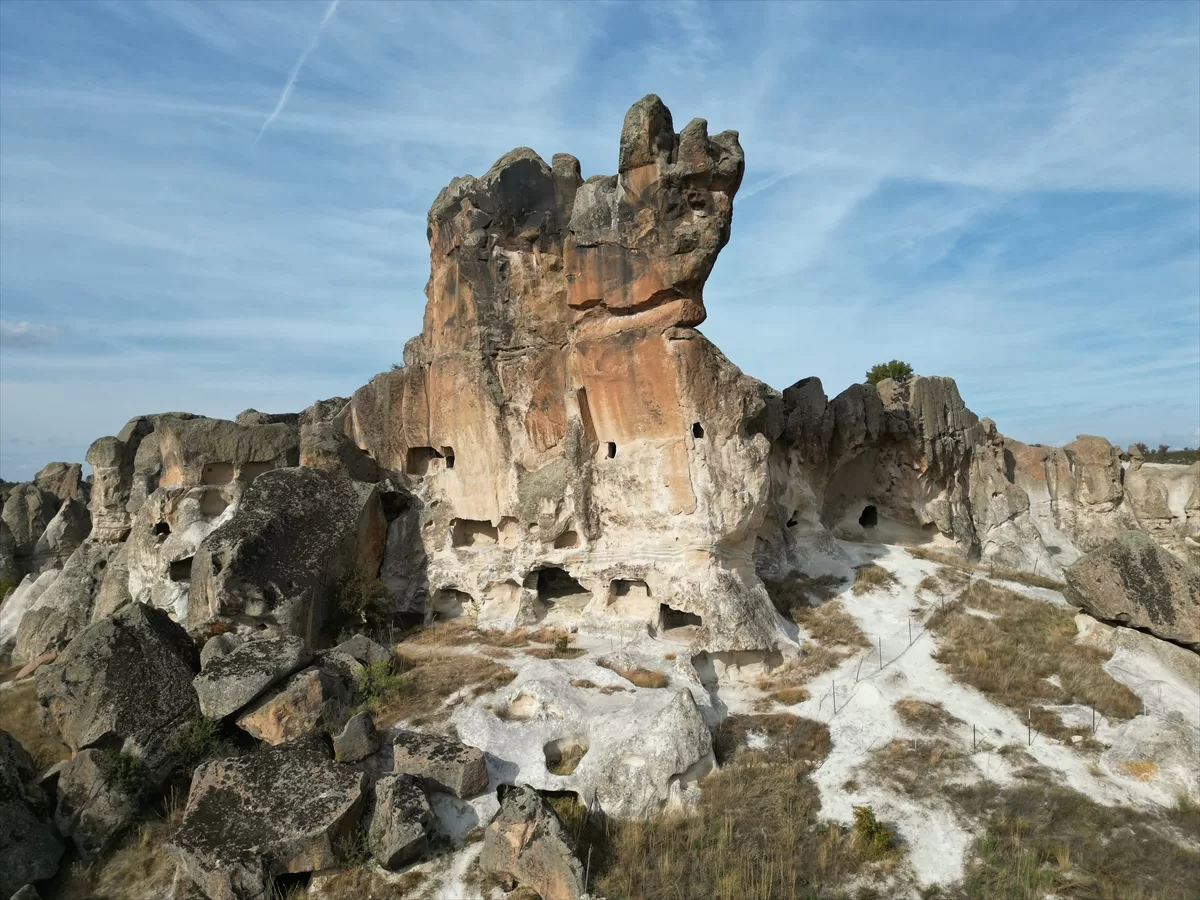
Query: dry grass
{"x":428,"y":680}
{"x":1043,"y":840}
{"x":583,"y":683}
{"x":461,"y":633}
{"x":755,"y":835}
{"x":871,"y":577}
{"x":556,"y":653}
{"x":19,"y":717}
{"x":139,"y":866}
{"x":789,"y":696}
{"x":789,"y":679}
{"x":919,"y":768}
{"x":567,"y":761}
{"x":829,"y":623}
{"x":1010,"y":657}
{"x":924,"y":715}
{"x":369,"y":882}
{"x":784,"y":735}
{"x":642,"y":677}
{"x":949,"y":560}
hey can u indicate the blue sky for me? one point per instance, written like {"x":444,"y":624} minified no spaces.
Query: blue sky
{"x":211,"y":206}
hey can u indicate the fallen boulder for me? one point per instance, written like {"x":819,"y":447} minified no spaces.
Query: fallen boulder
{"x":280,"y":810}
{"x":526,"y":844}
{"x":357,"y":740}
{"x":30,"y":848}
{"x":231,"y":681}
{"x":98,"y":796}
{"x":399,"y":822}
{"x":295,"y":534}
{"x":307,"y":700}
{"x":441,"y":764}
{"x":365,"y":650}
{"x":125,"y":682}
{"x":1133,"y":581}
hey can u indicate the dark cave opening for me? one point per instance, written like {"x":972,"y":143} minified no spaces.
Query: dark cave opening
{"x":869,"y":517}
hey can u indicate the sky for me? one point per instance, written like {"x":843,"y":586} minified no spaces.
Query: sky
{"x":215,"y":205}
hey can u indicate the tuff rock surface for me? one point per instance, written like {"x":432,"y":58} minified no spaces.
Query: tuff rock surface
{"x":399,"y":822}
{"x":1133,"y":581}
{"x":279,"y":810}
{"x":94,"y":807}
{"x":305,"y":701}
{"x":295,"y":534}
{"x":441,"y":764}
{"x":124,"y":683}
{"x":526,"y":844}
{"x":231,"y":680}
{"x":30,"y":848}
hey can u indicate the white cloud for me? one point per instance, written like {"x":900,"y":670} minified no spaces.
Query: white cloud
{"x":27,"y":334}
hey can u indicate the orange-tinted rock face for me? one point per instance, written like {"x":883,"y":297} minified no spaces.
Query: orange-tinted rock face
{"x":558,"y":408}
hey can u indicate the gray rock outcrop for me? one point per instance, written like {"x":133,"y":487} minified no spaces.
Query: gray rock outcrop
{"x":295,"y":534}
{"x":30,"y":848}
{"x":526,"y":844}
{"x":400,"y":821}
{"x":95,"y":805}
{"x":1133,"y":581}
{"x":357,"y":740}
{"x":441,"y":764}
{"x":308,"y":700}
{"x":125,"y":682}
{"x":280,"y":810}
{"x":232,"y":680}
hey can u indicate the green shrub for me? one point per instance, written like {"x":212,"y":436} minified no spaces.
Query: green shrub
{"x":125,"y":772}
{"x":897,"y":370}
{"x":6,"y":584}
{"x":562,"y":644}
{"x":359,"y":602}
{"x":871,"y":837}
{"x":378,"y":683}
{"x":198,"y":740}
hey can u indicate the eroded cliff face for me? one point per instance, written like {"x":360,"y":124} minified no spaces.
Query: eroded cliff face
{"x":572,"y":439}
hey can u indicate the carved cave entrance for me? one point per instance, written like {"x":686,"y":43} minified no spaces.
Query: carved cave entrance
{"x":869,"y":517}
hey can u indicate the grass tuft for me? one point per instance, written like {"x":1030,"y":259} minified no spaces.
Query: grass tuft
{"x":871,"y":577}
{"x":1010,"y":657}
{"x":642,"y":677}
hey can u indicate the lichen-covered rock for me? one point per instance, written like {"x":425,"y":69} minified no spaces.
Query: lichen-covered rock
{"x":302,"y":704}
{"x":30,"y":848}
{"x":325,"y":446}
{"x":64,"y":609}
{"x":66,"y":531}
{"x":95,"y":806}
{"x":232,"y":680}
{"x":357,"y":740}
{"x":441,"y":764}
{"x":28,"y":509}
{"x":1135,"y":582}
{"x":365,"y":650}
{"x":125,"y":682}
{"x":219,"y":645}
{"x":399,"y":822}
{"x":280,"y":810}
{"x":295,"y":534}
{"x":526,"y":844}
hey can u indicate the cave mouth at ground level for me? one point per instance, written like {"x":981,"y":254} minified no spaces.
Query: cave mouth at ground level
{"x":869,"y":517}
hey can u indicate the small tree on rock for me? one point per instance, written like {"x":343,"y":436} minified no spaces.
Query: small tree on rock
{"x":897,"y":370}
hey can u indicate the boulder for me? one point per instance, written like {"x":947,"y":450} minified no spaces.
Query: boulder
{"x":18,"y":603}
{"x":66,"y":531}
{"x":399,"y":822}
{"x":357,"y":740}
{"x":231,"y":681}
{"x":65,"y":608}
{"x":26,"y":513}
{"x":441,"y":764}
{"x":280,"y":810}
{"x":64,"y":480}
{"x":113,"y":594}
{"x":527,"y":844}
{"x":324,"y":446}
{"x":295,"y":534}
{"x":219,"y":645}
{"x":365,"y":650}
{"x":309,"y":699}
{"x":125,"y":682}
{"x":1134,"y":581}
{"x":30,"y":848}
{"x":98,"y":798}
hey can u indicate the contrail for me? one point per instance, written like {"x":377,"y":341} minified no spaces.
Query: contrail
{"x":291,"y":82}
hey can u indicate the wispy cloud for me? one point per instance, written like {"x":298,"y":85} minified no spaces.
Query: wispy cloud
{"x":295,"y":73}
{"x":1009,"y":194}
{"x":27,"y":334}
